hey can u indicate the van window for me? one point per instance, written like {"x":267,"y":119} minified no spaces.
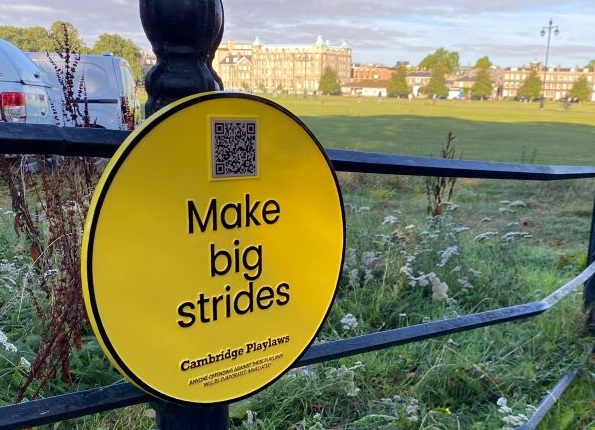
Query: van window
{"x":100,"y":86}
{"x":127,"y":81}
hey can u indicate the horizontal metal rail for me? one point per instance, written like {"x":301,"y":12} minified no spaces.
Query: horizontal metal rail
{"x":554,"y":394}
{"x":93,"y":142}
{"x":73,"y":405}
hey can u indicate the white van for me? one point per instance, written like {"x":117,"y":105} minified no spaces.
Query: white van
{"x":23,"y":89}
{"x":109,"y":85}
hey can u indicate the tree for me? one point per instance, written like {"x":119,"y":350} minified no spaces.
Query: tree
{"x":449,"y":60}
{"x":591,"y":65}
{"x":531,"y":87}
{"x":580,"y":89}
{"x":39,"y":39}
{"x":121,"y":47}
{"x":483,"y":63}
{"x":482,"y":88}
{"x":329,"y":81}
{"x":398,"y":83}
{"x":437,"y":85}
{"x":65,"y":35}
{"x":30,"y":39}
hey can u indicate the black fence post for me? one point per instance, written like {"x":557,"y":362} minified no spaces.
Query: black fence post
{"x":176,"y":417}
{"x":590,"y":284}
{"x":184,"y":35}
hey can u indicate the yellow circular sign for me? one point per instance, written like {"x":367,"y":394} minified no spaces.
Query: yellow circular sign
{"x":213,"y":248}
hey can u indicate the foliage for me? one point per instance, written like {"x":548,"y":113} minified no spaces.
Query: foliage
{"x":50,"y":198}
{"x":580,"y":89}
{"x":398,"y":82}
{"x":65,"y":34}
{"x":483,"y":63}
{"x":482,"y":379}
{"x":439,"y":189}
{"x":73,"y":113}
{"x":531,"y":86}
{"x":39,"y":39}
{"x":329,"y":81}
{"x":28,"y":39}
{"x":121,"y":47}
{"x":437,"y":85}
{"x":449,"y":60}
{"x":482,"y":88}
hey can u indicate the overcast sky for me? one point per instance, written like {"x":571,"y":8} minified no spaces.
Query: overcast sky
{"x":379,"y":31}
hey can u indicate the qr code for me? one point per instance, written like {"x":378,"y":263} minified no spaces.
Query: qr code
{"x":234,"y":148}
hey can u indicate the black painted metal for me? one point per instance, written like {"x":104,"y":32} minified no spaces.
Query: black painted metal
{"x":184,"y":35}
{"x":72,"y":405}
{"x":554,"y":395}
{"x":590,"y":285}
{"x":85,"y":142}
{"x":69,"y":405}
{"x":190,"y":418}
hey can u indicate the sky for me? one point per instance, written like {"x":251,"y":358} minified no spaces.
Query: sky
{"x":378,"y":31}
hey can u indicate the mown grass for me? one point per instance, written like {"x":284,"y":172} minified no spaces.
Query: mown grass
{"x":491,"y":131}
{"x":451,"y":382}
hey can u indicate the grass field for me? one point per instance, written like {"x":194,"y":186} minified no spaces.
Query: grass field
{"x":485,"y":379}
{"x":491,"y":131}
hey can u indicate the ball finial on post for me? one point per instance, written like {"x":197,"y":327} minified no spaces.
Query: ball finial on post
{"x":184,"y":35}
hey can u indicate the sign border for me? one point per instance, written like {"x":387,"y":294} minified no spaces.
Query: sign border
{"x":122,"y":153}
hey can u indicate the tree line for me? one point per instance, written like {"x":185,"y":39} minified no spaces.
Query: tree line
{"x":443,"y":62}
{"x":40,"y":39}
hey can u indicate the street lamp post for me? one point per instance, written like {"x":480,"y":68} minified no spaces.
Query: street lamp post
{"x":547,"y":29}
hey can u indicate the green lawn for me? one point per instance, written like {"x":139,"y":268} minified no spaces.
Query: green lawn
{"x":491,"y":131}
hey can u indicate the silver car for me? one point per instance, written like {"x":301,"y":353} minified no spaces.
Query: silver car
{"x":23,"y":88}
{"x":110,"y":90}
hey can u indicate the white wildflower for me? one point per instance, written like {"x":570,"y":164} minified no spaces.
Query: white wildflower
{"x":371,"y":260}
{"x":368,"y":276}
{"x":483,"y":236}
{"x":24,"y":364}
{"x":485,"y":219}
{"x":460,"y":229}
{"x":354,"y":278}
{"x":363,"y":209}
{"x":50,"y":272}
{"x":513,"y":224}
{"x":6,"y":344}
{"x":447,"y":254}
{"x":465,"y":285}
{"x":410,"y":227}
{"x":350,"y":257}
{"x":250,"y":417}
{"x":505,"y":210}
{"x":406,"y":270}
{"x":475,"y":273}
{"x":357,"y":365}
{"x":383,"y":239}
{"x":449,"y":206}
{"x":517,"y":204}
{"x":439,"y":288}
{"x":349,"y":322}
{"x":512,"y":235}
{"x":389,"y":220}
{"x":515,"y":420}
{"x":502,"y":405}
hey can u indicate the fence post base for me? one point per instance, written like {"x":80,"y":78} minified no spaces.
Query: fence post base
{"x":176,"y":417}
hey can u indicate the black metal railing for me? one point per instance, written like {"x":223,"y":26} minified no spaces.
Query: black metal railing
{"x":184,"y":35}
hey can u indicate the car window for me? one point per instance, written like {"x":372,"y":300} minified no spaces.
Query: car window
{"x":99,"y":83}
